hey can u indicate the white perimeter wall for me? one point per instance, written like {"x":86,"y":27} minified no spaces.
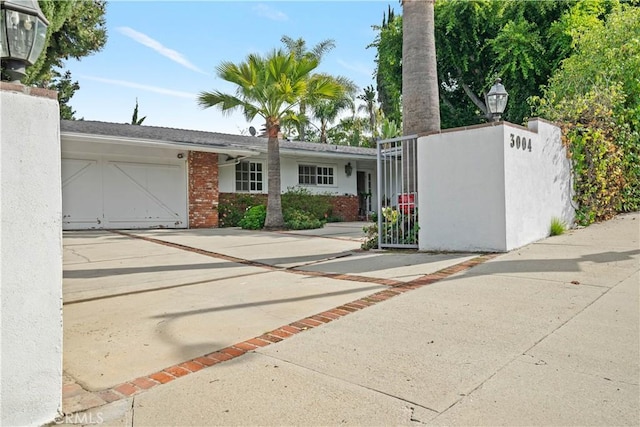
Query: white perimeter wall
{"x":478,"y":193}
{"x":537,"y":183}
{"x":31,"y":252}
{"x":461,"y":200}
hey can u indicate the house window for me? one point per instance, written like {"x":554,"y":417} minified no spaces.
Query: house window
{"x":316,"y":175}
{"x":249,"y":177}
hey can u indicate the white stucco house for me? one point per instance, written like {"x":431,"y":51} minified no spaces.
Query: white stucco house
{"x":124,"y":176}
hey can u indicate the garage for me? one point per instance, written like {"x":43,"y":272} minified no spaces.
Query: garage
{"x":123,"y":192}
{"x":120,"y":176}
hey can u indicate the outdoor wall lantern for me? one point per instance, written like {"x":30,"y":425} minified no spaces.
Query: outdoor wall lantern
{"x":24,"y":29}
{"x":348,"y":169}
{"x":497,"y":100}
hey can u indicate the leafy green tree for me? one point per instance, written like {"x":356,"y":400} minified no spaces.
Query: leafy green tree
{"x":350,"y":131}
{"x":77,"y":28}
{"x":523,"y":42}
{"x":271,"y":87}
{"x":65,"y":87}
{"x":388,"y":45}
{"x":595,"y":96}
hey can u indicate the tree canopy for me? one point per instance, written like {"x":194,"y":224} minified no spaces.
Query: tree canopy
{"x":77,"y":28}
{"x":523,"y":42}
{"x":595,"y":96}
{"x":272,"y":87}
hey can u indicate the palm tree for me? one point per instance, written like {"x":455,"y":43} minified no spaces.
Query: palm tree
{"x":134,"y":119}
{"x":369,"y":97}
{"x":420,"y":100}
{"x":328,"y":110}
{"x":271,"y":87}
{"x":298,"y":47}
{"x":420,"y":97}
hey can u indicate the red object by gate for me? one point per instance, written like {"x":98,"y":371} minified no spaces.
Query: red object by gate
{"x":406,"y":202}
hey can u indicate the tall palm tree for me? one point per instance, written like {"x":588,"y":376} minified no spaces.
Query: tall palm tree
{"x":369,"y":98}
{"x":271,"y":87}
{"x":420,"y":97}
{"x":298,"y":47}
{"x":420,"y":100}
{"x":328,"y":110}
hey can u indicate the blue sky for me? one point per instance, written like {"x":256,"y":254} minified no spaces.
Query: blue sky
{"x":165,"y":53}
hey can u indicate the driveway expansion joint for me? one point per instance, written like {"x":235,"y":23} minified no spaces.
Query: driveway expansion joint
{"x":139,"y":385}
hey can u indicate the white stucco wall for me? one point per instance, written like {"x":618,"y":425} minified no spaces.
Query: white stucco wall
{"x":478,"y":193}
{"x":537,"y":183}
{"x":31,"y":259}
{"x":461,"y":190}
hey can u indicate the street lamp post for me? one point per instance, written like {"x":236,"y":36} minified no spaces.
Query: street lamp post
{"x":22,"y":36}
{"x":497,"y":100}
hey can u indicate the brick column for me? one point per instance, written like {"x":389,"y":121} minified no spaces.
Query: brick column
{"x":203,"y":190}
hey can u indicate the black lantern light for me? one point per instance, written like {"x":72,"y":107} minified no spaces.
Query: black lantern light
{"x":348,"y":169}
{"x":497,"y":100}
{"x":24,"y":29}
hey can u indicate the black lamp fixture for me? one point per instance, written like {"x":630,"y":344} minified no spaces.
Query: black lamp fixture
{"x":348,"y":169}
{"x":24,"y":29}
{"x":497,"y":100}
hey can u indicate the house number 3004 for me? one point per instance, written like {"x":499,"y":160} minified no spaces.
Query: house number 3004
{"x":520,"y":142}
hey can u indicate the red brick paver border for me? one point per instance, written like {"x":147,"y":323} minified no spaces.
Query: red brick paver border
{"x":140,"y":385}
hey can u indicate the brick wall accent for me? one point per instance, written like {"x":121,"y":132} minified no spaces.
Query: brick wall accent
{"x":345,"y":207}
{"x":203,"y":190}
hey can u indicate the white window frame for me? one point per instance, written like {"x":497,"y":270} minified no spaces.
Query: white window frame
{"x":249,"y":180}
{"x":319,"y":175}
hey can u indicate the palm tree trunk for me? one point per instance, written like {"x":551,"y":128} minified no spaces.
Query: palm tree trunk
{"x":420,"y":101}
{"x":274,"y":219}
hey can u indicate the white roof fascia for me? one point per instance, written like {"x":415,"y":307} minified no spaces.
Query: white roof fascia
{"x":239,"y":151}
{"x":325,"y":154}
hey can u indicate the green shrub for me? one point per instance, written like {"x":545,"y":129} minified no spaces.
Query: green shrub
{"x":371,"y":237}
{"x":295,"y":219}
{"x":299,"y":198}
{"x":232,"y":207}
{"x":396,"y":226}
{"x":254,"y":218}
{"x":557,"y":227}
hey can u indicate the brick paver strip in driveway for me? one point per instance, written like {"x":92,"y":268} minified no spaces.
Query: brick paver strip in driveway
{"x":202,"y":361}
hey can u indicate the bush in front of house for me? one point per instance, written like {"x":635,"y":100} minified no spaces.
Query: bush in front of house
{"x":302,"y":210}
{"x":233,"y":207}
{"x":295,"y":219}
{"x":254,"y":218}
{"x":299,"y":198}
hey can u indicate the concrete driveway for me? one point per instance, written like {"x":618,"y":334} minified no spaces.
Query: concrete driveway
{"x":137,"y":302}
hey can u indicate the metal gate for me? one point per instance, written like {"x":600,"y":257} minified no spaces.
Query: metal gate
{"x":398,"y":192}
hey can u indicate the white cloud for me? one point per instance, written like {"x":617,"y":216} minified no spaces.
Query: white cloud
{"x":356,"y":67}
{"x":269,"y":12}
{"x":145,"y":40}
{"x":134,"y":85}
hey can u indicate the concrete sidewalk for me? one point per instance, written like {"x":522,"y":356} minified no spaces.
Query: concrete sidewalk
{"x":544,"y":335}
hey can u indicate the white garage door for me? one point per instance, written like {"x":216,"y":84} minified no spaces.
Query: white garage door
{"x":102,"y":192}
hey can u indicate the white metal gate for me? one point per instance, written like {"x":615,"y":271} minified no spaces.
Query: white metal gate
{"x":398,"y":192}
